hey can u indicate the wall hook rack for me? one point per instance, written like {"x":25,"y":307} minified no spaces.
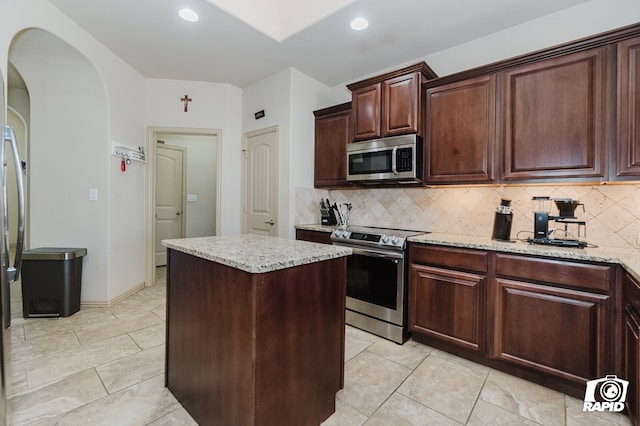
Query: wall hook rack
{"x":128,"y":153}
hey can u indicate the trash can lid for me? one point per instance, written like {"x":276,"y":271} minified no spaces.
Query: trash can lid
{"x":53,"y":253}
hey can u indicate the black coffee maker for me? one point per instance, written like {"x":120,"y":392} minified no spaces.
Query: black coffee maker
{"x":566,"y":217}
{"x":502,"y":221}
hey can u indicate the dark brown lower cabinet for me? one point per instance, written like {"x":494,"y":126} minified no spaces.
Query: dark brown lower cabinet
{"x":553,"y":330}
{"x":631,"y":357}
{"x":446,"y":304}
{"x":631,"y":341}
{"x":447,"y":287}
{"x":313,"y":236}
{"x":554,"y":322}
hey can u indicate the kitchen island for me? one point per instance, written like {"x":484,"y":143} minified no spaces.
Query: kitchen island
{"x":255,"y":329}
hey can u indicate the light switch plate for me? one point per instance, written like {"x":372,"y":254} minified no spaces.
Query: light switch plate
{"x":93,"y":194}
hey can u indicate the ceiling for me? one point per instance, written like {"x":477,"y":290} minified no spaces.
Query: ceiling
{"x":149,"y":35}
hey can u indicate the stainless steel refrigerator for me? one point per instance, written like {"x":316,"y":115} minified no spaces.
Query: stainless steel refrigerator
{"x":9,"y":273}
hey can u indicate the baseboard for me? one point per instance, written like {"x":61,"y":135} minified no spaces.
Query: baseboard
{"x":114,"y":301}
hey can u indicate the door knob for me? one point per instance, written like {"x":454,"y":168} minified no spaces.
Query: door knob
{"x":271,"y":222}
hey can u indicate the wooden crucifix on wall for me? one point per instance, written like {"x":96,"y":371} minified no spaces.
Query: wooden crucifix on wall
{"x":186,"y":101}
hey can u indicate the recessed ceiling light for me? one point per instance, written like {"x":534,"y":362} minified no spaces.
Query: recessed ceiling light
{"x":359,"y":24}
{"x":188,"y":15}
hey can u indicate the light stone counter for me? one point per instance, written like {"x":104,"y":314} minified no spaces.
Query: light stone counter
{"x":256,"y":253}
{"x":319,"y":228}
{"x":629,"y":259}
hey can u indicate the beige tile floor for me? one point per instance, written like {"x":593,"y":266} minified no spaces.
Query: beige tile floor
{"x":105,"y":367}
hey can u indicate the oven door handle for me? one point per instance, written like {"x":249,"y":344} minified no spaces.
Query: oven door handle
{"x":373,"y":253}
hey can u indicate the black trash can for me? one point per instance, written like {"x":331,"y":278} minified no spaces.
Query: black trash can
{"x":51,"y":281}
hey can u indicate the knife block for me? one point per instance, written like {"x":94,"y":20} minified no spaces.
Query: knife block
{"x":328,"y":217}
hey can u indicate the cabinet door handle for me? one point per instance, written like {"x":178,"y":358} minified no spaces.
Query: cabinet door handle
{"x":270,"y":222}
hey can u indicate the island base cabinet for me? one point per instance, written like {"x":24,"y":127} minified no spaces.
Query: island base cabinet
{"x":255,"y":349}
{"x":557,"y":331}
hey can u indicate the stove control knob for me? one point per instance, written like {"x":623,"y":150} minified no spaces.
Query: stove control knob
{"x":384,"y":239}
{"x":395,"y":240}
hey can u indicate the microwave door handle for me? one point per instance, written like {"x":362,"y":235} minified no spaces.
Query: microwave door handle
{"x":394,"y":165}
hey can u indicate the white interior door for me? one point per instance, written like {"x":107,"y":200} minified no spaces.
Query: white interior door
{"x":261,"y":182}
{"x":169,"y":197}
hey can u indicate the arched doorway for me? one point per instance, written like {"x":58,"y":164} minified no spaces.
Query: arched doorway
{"x":68,"y":151}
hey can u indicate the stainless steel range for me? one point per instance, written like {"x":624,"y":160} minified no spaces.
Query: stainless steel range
{"x":376,"y":279}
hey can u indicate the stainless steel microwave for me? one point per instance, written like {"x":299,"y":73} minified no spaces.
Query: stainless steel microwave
{"x":396,"y":158}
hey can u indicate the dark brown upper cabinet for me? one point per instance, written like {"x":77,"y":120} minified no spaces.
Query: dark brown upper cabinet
{"x":460,"y":131}
{"x":389,"y":104}
{"x":366,"y":112}
{"x":332,"y":134}
{"x":628,"y":146}
{"x":566,"y":113}
{"x":555,"y":117}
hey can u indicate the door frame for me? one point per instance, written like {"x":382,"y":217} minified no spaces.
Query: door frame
{"x":150,"y":188}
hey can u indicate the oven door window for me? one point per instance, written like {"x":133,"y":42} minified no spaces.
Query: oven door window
{"x":370,"y":162}
{"x":373,"y":280}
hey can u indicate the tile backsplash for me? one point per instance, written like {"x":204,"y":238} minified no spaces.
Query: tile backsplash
{"x":612,"y":212}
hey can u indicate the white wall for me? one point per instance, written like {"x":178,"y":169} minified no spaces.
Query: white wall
{"x":19,"y":101}
{"x":308,"y":96}
{"x":214,"y":106}
{"x":105,"y":102}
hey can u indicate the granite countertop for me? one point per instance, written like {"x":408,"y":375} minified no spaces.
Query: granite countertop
{"x":316,"y":227}
{"x":629,"y":259}
{"x":256,"y":253}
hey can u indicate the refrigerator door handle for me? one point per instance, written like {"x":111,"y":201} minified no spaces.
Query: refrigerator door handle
{"x":13,"y":273}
